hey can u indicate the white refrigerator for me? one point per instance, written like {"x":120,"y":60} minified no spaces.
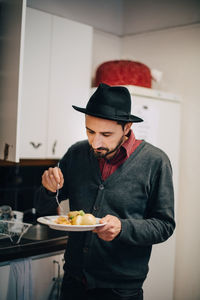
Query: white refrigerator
{"x":161,"y":127}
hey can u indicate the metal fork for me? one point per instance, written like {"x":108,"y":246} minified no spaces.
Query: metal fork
{"x":57,"y":193}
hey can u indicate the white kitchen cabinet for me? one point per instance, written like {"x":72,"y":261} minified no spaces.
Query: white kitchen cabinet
{"x":69,"y":84}
{"x":35,"y":84}
{"x":54,"y":72}
{"x":57,"y":74}
{"x":46,"y":270}
{"x":12,"y":24}
{"x":4,"y":277}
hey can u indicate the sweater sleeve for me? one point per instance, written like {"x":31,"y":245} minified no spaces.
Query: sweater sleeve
{"x":45,"y":202}
{"x":158,"y":224}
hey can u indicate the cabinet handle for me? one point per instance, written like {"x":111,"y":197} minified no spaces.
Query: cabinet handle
{"x":6,"y":150}
{"x":54,"y":147}
{"x":58,"y":272}
{"x":35,"y":146}
{"x":57,"y":280}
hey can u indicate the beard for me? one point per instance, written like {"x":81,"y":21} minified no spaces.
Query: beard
{"x":107,"y":150}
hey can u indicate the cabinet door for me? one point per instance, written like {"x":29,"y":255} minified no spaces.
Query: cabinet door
{"x":4,"y":277}
{"x":69,"y":83}
{"x":35,"y":87}
{"x":45,"y":271}
{"x":12,"y":24}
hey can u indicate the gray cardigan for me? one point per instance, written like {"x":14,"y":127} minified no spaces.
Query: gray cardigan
{"x":140,"y":193}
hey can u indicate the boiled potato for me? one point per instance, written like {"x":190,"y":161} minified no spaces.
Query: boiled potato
{"x":77,"y":220}
{"x":88,"y":219}
{"x":79,"y":217}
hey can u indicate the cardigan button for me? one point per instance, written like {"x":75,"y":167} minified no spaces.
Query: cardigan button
{"x":101,"y":187}
{"x":95,"y":207}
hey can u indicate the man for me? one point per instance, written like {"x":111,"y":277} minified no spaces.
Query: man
{"x":125,"y":182}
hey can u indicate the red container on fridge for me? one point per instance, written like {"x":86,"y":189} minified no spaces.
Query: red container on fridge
{"x":123,"y":72}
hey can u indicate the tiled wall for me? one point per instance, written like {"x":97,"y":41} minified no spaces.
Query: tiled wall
{"x":18,"y":185}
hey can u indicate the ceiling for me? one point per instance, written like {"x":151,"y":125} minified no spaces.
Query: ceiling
{"x":124,"y":17}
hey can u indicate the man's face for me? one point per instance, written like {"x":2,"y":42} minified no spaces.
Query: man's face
{"x":105,"y":136}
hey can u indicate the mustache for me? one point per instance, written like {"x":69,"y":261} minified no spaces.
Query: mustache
{"x":108,"y":151}
{"x":102,"y":148}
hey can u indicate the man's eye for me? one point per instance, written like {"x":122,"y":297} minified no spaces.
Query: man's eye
{"x":90,"y":132}
{"x":106,"y":134}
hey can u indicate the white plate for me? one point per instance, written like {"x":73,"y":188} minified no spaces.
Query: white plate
{"x":49,"y":220}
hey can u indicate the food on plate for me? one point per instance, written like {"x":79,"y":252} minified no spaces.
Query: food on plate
{"x":62,"y":220}
{"x":75,"y":213}
{"x":88,"y":219}
{"x":76,"y":218}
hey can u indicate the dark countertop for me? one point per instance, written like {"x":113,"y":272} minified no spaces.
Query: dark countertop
{"x":39,"y":239}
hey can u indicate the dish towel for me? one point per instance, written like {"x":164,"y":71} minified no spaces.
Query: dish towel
{"x":20,"y":280}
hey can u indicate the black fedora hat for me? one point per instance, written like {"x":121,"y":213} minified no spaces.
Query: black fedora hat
{"x":110,"y":102}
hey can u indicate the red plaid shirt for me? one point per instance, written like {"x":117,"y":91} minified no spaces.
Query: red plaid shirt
{"x":107,"y":167}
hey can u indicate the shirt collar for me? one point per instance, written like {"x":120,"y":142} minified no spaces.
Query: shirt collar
{"x":127,"y":145}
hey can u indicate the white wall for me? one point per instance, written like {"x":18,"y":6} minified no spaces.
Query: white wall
{"x":106,"y":47}
{"x":176,"y":52}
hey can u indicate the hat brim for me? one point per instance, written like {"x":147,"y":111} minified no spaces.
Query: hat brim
{"x":131,"y":118}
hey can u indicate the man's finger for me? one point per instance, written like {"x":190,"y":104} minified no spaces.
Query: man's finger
{"x":56,"y":174}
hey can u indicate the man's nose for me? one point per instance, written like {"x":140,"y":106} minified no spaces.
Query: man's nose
{"x":97,"y":142}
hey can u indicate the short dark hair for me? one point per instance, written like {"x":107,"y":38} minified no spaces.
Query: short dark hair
{"x":122,"y":123}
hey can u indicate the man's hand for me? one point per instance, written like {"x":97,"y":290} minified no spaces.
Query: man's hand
{"x":52,"y":179}
{"x":109,"y":231}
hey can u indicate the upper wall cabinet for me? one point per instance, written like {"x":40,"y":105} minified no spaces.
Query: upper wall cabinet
{"x":35,"y":84}
{"x":56,"y":75}
{"x":70,"y":82}
{"x":12,"y":24}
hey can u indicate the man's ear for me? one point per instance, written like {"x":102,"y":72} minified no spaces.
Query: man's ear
{"x":127,"y":127}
